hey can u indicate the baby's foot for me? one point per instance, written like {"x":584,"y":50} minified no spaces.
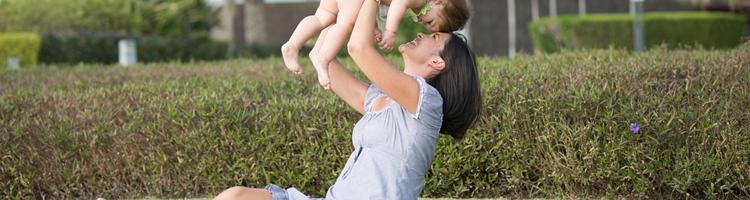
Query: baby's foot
{"x":290,"y":53}
{"x":321,"y":67}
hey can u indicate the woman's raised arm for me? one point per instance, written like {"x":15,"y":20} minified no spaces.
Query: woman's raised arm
{"x":343,"y":83}
{"x":399,"y":86}
{"x":346,"y":86}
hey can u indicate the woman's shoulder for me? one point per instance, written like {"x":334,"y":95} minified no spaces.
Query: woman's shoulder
{"x":427,"y":90}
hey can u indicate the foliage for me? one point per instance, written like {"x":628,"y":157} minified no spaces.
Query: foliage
{"x":49,"y":15}
{"x":675,"y":29}
{"x":554,"y":126}
{"x":171,"y":18}
{"x":24,"y":46}
{"x":175,"y":18}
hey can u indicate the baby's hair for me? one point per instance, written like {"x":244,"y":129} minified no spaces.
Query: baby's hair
{"x":455,"y":15}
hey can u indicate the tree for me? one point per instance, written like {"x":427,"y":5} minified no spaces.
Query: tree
{"x":170,"y":18}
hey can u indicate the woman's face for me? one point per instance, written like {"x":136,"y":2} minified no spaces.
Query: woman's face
{"x":422,"y":48}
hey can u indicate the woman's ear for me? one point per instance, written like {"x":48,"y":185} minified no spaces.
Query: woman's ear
{"x":436,"y":63}
{"x":439,"y":2}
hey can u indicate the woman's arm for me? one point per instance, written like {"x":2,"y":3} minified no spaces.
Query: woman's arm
{"x":346,"y":86}
{"x":399,"y":86}
{"x":343,"y":83}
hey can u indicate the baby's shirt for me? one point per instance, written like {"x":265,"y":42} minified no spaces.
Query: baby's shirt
{"x":382,"y":17}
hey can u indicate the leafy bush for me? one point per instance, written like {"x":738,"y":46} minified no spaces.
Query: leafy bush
{"x":24,"y":46}
{"x":553,"y":125}
{"x":707,"y":29}
{"x":166,"y":18}
{"x":102,"y":48}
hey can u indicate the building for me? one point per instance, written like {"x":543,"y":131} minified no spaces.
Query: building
{"x":267,"y":22}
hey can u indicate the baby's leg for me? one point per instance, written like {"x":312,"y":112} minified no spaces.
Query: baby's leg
{"x":337,"y":35}
{"x":307,"y":28}
{"x":319,"y":43}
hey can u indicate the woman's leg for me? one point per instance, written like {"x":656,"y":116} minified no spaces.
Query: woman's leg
{"x":244,"y":193}
{"x":307,"y":28}
{"x":337,"y":35}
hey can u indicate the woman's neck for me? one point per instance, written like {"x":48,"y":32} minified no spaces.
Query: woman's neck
{"x":414,"y":71}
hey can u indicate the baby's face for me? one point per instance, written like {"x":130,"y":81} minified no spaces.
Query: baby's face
{"x":433,"y":19}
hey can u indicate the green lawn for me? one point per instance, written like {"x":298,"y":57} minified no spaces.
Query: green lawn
{"x":152,"y":198}
{"x":553,"y":126}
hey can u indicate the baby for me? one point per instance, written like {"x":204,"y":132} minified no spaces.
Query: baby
{"x":435,"y":15}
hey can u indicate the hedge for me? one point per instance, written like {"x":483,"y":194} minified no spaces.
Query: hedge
{"x":102,"y":48}
{"x":24,"y":46}
{"x":553,"y":126}
{"x":675,"y":29}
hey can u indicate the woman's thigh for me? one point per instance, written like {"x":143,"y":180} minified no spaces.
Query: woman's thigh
{"x":238,"y":192}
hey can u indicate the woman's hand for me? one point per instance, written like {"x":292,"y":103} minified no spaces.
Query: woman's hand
{"x":399,"y":86}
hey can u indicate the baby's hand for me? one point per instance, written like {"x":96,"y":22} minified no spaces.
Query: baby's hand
{"x":378,"y":35}
{"x":387,"y":42}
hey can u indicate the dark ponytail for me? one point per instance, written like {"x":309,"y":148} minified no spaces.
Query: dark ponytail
{"x":459,"y":86}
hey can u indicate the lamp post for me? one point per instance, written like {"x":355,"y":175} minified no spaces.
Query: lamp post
{"x":534,"y":10}
{"x":553,"y":8}
{"x":639,"y":38}
{"x":127,"y":52}
{"x":13,"y":63}
{"x":511,"y":28}
{"x":581,"y":7}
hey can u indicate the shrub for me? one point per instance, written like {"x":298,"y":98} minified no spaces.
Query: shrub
{"x":554,"y":126}
{"x":102,"y":48}
{"x":707,"y":29}
{"x":24,"y":46}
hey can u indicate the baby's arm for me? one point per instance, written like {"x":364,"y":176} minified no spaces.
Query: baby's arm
{"x":396,"y":12}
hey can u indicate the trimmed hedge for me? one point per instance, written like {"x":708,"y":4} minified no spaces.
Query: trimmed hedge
{"x":553,"y":126}
{"x":24,"y":46}
{"x":675,"y":29}
{"x":102,"y":48}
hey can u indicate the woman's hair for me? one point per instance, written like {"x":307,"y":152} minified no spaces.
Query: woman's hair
{"x":458,"y":84}
{"x":455,"y":15}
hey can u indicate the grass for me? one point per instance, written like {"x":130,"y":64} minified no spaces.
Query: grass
{"x":153,"y":198}
{"x":554,"y":126}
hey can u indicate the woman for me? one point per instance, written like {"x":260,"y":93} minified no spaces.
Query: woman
{"x":403,"y":113}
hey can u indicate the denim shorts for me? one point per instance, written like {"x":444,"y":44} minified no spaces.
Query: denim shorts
{"x":277,"y":193}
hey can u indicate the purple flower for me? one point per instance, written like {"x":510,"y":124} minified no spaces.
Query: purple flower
{"x":634,"y":128}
